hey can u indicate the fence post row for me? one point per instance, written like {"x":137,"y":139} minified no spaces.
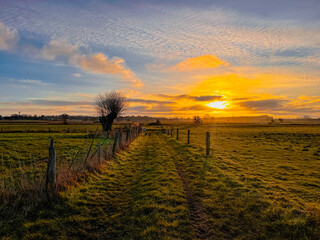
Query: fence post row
{"x":207,"y":143}
{"x":188,"y":136}
{"x":51,"y":169}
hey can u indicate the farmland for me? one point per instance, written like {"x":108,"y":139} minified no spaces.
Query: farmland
{"x":24,"y":147}
{"x":259,"y":182}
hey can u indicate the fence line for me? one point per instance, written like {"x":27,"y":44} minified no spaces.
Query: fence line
{"x":122,"y":139}
{"x":207,"y":138}
{"x":58,"y":177}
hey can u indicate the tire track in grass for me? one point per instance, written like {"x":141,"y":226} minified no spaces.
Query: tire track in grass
{"x":198,"y":217}
{"x":197,"y":214}
{"x":138,"y":196}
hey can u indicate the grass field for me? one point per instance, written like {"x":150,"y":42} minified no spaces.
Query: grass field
{"x":24,"y":149}
{"x":260,"y":182}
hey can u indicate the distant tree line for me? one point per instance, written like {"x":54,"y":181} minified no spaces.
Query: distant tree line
{"x":62,"y":117}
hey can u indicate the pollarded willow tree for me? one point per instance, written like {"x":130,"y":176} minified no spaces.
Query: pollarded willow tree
{"x":109,"y":106}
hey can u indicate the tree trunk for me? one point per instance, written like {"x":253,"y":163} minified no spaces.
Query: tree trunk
{"x":103,"y":121}
{"x":107,"y":121}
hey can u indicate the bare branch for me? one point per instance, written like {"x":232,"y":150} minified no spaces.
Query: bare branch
{"x":110,"y":102}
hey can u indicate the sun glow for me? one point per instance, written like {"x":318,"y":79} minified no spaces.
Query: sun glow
{"x":218,"y":104}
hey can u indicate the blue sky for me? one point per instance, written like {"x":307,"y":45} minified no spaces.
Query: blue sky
{"x":56,"y":56}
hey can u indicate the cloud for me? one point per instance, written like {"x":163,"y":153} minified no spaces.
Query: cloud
{"x":197,"y":107}
{"x":60,"y":102}
{"x":203,"y":98}
{"x":32,"y":81}
{"x":198,"y":63}
{"x":99,"y":63}
{"x":262,"y":105}
{"x":8,"y":37}
{"x":162,"y":108}
{"x":134,"y":100}
{"x":93,"y":63}
{"x":174,"y":33}
{"x":57,"y":49}
{"x":301,"y":52}
{"x":77,"y":74}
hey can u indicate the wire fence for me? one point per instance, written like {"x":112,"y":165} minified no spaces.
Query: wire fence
{"x":48,"y":177}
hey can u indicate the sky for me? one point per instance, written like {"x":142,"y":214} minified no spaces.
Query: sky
{"x":170,"y":58}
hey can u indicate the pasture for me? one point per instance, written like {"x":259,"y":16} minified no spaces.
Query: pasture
{"x":259,"y":182}
{"x":24,"y":147}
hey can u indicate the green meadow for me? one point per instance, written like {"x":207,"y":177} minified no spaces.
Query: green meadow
{"x":259,"y":182}
{"x":24,"y":149}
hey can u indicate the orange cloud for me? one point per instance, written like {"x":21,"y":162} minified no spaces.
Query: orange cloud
{"x":94,"y":63}
{"x":99,"y":63}
{"x":201,"y":62}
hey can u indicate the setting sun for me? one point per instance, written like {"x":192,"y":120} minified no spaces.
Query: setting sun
{"x":218,"y":104}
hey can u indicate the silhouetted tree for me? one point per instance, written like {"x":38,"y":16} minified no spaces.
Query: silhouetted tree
{"x":109,"y":106}
{"x":197,"y":120}
{"x":64,"y":118}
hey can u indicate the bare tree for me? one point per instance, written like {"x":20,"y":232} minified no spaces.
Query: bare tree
{"x":197,"y":120}
{"x":109,"y":106}
{"x":64,"y":118}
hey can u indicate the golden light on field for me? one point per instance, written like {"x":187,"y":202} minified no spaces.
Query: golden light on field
{"x":218,"y":104}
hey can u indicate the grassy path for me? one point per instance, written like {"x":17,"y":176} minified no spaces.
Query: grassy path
{"x":138,"y":196}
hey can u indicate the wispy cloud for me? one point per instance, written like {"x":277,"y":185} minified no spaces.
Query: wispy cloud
{"x":198,"y":63}
{"x":167,"y":31}
{"x":190,"y":48}
{"x":60,"y":102}
{"x":93,"y":63}
{"x":137,"y":100}
{"x":8,"y":37}
{"x":61,"y":50}
{"x":31,"y":81}
{"x":258,"y":105}
{"x":195,"y":98}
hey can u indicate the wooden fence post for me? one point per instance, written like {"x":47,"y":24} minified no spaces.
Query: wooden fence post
{"x":171,"y":131}
{"x":114,"y":148}
{"x":188,"y":136}
{"x":208,"y":143}
{"x":177,"y":133}
{"x":99,"y":153}
{"x":51,"y":169}
{"x":127,"y":137}
{"x":120,"y":139}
